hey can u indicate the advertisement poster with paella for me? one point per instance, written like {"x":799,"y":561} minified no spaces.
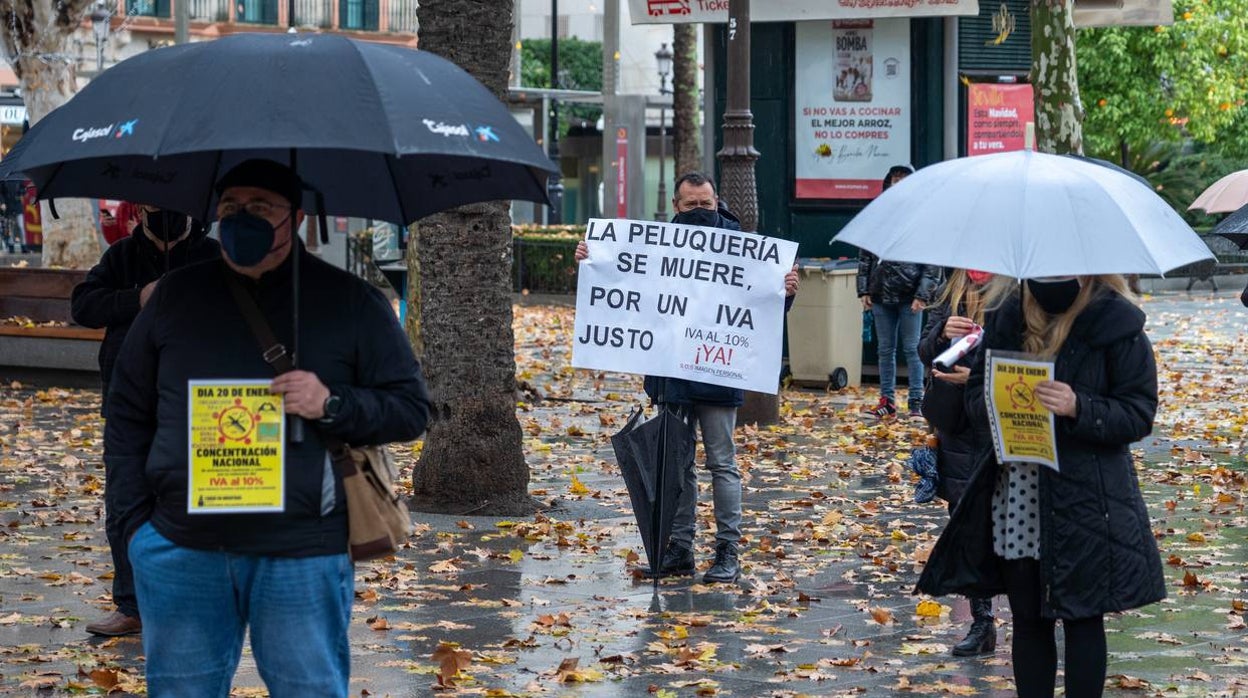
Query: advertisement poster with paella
{"x":237,"y":447}
{"x":852,"y":108}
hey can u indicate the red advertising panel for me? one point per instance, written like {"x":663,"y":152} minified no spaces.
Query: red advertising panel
{"x":31,"y":217}
{"x":997,"y":117}
{"x":621,"y":182}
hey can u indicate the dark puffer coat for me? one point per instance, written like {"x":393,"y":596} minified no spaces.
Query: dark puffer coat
{"x":1097,"y":552}
{"x":896,"y":282}
{"x":945,"y":410}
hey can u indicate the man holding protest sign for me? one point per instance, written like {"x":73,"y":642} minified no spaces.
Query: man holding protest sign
{"x":713,"y":267}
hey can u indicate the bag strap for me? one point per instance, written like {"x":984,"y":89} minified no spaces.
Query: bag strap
{"x":275,"y":354}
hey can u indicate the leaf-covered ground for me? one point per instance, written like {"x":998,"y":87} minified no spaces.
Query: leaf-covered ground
{"x":549,"y":605}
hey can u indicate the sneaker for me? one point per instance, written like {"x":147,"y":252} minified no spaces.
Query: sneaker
{"x":677,"y":561}
{"x":915,"y":408}
{"x":884,"y":409}
{"x":727,"y":566}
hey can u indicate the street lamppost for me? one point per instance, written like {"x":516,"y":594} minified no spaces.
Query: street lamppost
{"x":100,"y":17}
{"x":663,"y":57}
{"x":554,"y":186}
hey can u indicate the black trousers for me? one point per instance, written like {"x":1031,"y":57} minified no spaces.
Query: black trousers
{"x":1034,"y":648}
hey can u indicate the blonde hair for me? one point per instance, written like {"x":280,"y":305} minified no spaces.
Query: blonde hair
{"x":1044,"y":334}
{"x":962,"y":295}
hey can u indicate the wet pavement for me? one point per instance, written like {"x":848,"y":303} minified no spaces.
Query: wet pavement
{"x":549,"y":604}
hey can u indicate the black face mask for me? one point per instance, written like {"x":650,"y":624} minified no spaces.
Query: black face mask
{"x":166,"y":226}
{"x":1055,"y":297}
{"x":699,"y":217}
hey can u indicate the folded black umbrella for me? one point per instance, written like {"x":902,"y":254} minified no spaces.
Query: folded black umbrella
{"x":374,"y":131}
{"x":652,"y":456}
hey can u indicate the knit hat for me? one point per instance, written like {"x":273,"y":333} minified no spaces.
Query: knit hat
{"x":265,"y":174}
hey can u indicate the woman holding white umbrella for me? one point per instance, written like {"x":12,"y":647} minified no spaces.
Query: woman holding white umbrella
{"x":1070,"y":545}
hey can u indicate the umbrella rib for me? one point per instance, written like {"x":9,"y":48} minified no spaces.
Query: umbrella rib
{"x":394,"y":184}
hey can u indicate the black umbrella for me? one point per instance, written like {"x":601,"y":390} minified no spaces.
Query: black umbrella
{"x":375,"y":131}
{"x":1114,"y":166}
{"x":1234,"y":228}
{"x":652,"y":456}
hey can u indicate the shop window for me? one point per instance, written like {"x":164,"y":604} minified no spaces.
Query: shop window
{"x":148,"y":8}
{"x":256,"y":11}
{"x":358,"y":14}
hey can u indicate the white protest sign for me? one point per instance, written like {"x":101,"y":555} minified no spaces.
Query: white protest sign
{"x":674,"y":300}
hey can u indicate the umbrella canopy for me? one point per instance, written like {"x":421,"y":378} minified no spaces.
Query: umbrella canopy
{"x":1225,"y":195}
{"x":1025,"y":214}
{"x":1234,"y":228}
{"x":652,"y":456}
{"x":379,"y":131}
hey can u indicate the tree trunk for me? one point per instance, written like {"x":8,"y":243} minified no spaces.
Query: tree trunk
{"x":1059,"y":112}
{"x":412,"y":326}
{"x":686,"y":132}
{"x":473,"y":458}
{"x":37,"y":46}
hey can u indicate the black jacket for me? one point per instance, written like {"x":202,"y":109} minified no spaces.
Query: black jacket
{"x":1097,"y":552}
{"x":944,"y":408}
{"x":896,"y":282}
{"x":109,"y":296}
{"x":191,"y":328}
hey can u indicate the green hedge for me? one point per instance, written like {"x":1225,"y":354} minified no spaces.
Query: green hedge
{"x":543,"y":258}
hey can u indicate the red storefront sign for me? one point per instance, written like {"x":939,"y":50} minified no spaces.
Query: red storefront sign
{"x":997,"y":117}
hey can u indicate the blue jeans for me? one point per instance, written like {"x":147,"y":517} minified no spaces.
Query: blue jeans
{"x":716,"y":425}
{"x":893,"y":320}
{"x":197,"y":604}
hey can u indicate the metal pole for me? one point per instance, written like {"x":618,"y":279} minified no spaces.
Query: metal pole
{"x":181,"y":21}
{"x":661,"y":215}
{"x":555,"y":186}
{"x":737,"y":158}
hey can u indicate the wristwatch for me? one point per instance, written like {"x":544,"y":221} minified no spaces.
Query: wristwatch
{"x":331,"y":408}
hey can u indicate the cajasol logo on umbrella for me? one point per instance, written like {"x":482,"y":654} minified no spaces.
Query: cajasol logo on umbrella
{"x":83,"y":135}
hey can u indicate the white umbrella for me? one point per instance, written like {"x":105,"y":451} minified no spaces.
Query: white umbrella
{"x":1026,"y":215}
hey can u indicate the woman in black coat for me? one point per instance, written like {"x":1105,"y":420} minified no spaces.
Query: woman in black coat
{"x":1069,"y":545}
{"x":958,"y":311}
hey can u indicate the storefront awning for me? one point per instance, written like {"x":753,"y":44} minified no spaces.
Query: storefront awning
{"x":716,"y":11}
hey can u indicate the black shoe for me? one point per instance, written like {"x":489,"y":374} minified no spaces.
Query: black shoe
{"x":982,"y":638}
{"x":726,"y":568}
{"x":677,"y":562}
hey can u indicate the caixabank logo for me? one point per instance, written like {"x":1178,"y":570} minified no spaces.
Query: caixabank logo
{"x":115,"y":130}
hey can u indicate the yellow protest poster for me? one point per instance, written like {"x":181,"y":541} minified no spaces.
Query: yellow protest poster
{"x":237,"y":441}
{"x":1022,"y":429}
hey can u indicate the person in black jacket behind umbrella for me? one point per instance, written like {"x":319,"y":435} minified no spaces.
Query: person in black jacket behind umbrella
{"x":205,"y":579}
{"x":110,"y":297}
{"x":958,"y":310}
{"x":1070,"y":545}
{"x":896,"y":293}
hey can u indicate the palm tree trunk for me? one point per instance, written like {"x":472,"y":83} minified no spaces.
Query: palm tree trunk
{"x":473,"y":458}
{"x":685,"y":132}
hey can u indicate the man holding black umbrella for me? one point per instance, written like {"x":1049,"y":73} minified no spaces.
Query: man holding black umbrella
{"x":204,"y":578}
